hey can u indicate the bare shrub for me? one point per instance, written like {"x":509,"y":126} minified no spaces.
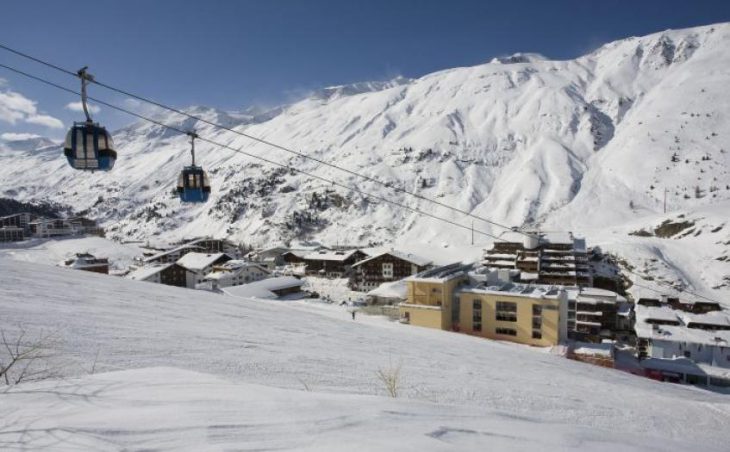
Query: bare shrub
{"x":23,"y":358}
{"x":390,"y":377}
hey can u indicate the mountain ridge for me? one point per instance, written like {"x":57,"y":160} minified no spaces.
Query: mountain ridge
{"x":575,"y":144}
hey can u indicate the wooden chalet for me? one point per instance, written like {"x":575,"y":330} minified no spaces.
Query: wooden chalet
{"x":89,"y":263}
{"x":385,"y":267}
{"x":332,"y":264}
{"x":168,"y":274}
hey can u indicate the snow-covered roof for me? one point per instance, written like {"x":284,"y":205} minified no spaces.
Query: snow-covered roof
{"x":408,"y":257}
{"x":233,"y":268}
{"x":299,"y":253}
{"x":394,"y":289}
{"x":517,"y":290}
{"x":593,"y":295}
{"x":557,"y":237}
{"x":591,"y":349}
{"x":199,"y":261}
{"x":144,"y":273}
{"x":330,"y":255}
{"x":264,"y":288}
{"x":441,"y":274}
{"x":172,"y":251}
{"x":717,"y":318}
{"x":680,"y":333}
{"x":663,"y":313}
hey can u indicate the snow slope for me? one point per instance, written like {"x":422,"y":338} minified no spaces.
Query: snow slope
{"x":171,"y":409}
{"x":455,"y":387}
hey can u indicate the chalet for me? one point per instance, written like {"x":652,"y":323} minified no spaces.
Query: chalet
{"x":198,"y":265}
{"x":385,"y":267}
{"x":680,"y":346}
{"x":170,"y":256}
{"x":168,"y":274}
{"x":269,"y":258}
{"x":89,"y":263}
{"x":332,"y":264}
{"x":235,"y":273}
{"x":210,"y":245}
{"x":542,"y":257}
{"x":295,"y":256}
{"x":282,"y":287}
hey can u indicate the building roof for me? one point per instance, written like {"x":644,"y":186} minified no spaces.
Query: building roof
{"x":233,"y":267}
{"x":517,"y":290}
{"x":393,"y":289}
{"x":679,"y":333}
{"x":330,"y":255}
{"x":663,"y":313}
{"x":441,"y":274}
{"x":264,"y":288}
{"x":408,"y":257}
{"x":199,"y":261}
{"x":715,"y":318}
{"x":593,"y":295}
{"x":299,"y":253}
{"x":546,"y":238}
{"x":143,"y":273}
{"x":157,"y":256}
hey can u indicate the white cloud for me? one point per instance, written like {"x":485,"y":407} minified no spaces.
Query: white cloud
{"x":78,"y":106}
{"x":15,"y":108}
{"x":45,"y":120}
{"x":10,"y":136}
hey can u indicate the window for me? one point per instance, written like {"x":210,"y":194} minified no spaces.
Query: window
{"x":536,"y":335}
{"x":536,"y":309}
{"x":476,"y":319}
{"x":536,"y":323}
{"x":387,"y":269}
{"x":506,"y":331}
{"x":506,"y":311}
{"x":192,"y":181}
{"x":506,"y":306}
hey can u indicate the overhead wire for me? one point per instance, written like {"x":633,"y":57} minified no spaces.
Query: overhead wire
{"x":366,"y":194}
{"x":387,"y":184}
{"x":282,"y":165}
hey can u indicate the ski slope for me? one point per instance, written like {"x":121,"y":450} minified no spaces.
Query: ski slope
{"x":177,"y":368}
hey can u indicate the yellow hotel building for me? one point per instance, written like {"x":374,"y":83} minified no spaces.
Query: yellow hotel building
{"x":455,"y":298}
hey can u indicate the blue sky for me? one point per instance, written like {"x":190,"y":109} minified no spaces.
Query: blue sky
{"x":232,"y":54}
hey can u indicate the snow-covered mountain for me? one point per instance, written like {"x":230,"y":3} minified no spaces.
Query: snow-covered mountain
{"x":579,"y":144}
{"x":27,"y":143}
